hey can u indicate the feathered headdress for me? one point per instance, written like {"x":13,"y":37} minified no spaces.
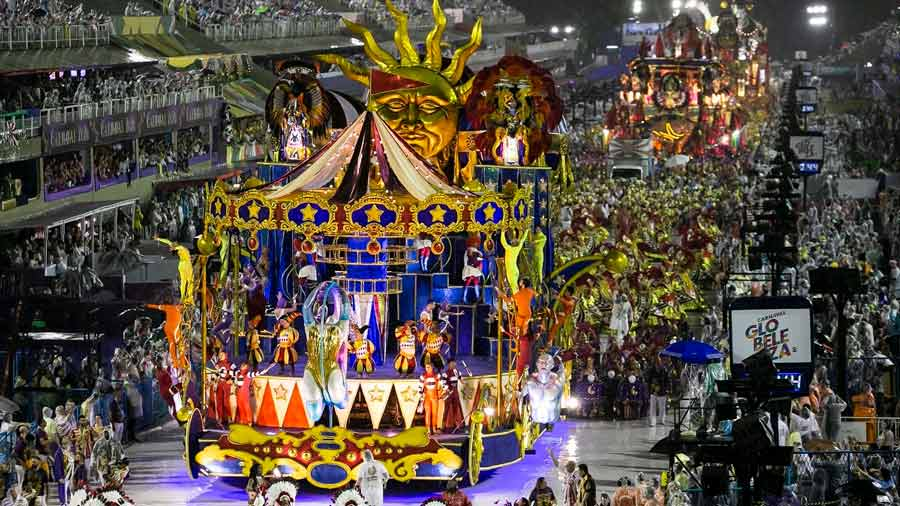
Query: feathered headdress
{"x":279,"y":490}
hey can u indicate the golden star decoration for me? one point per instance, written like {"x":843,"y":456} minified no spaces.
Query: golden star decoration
{"x":253,"y":210}
{"x":308,"y":212}
{"x":522,"y":208}
{"x":373,"y":213}
{"x":409,"y":394}
{"x":258,"y":389}
{"x":542,"y":185}
{"x":376,"y":394}
{"x":219,"y":206}
{"x":280,"y":392}
{"x":489,"y":211}
{"x":437,"y":214}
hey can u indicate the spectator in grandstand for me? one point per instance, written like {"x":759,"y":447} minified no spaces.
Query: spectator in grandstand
{"x":65,"y":171}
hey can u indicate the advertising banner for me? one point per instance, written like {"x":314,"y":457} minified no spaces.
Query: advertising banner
{"x":159,"y":121}
{"x":200,"y":113}
{"x":786,"y":333}
{"x":60,"y":138}
{"x":632,"y":33}
{"x":118,"y":127}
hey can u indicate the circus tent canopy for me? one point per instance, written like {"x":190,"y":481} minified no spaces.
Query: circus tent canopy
{"x":367,"y":144}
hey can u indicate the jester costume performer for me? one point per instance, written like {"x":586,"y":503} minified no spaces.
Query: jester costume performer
{"x":434,"y":345}
{"x":286,"y":336}
{"x":362,"y":349}
{"x":405,"y":363}
{"x":254,"y":350}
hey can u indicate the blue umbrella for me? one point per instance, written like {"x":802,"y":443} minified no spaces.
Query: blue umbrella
{"x":692,"y":352}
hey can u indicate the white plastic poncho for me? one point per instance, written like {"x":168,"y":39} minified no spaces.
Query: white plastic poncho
{"x":371,"y":478}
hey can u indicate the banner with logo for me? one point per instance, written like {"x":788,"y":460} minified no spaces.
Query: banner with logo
{"x":160,"y":121}
{"x":200,"y":113}
{"x":118,"y":127}
{"x":60,"y":138}
{"x":63,"y":137}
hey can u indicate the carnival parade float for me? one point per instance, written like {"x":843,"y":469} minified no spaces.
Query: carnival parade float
{"x":387,"y":290}
{"x":694,"y":88}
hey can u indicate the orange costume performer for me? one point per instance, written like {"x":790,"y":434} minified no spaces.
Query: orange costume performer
{"x":286,"y":337}
{"x":430,"y":388}
{"x":362,"y":349}
{"x":522,"y":300}
{"x":405,"y":363}
{"x":243,"y":379}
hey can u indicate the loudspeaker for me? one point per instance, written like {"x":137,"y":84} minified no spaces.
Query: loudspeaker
{"x":834,"y":280}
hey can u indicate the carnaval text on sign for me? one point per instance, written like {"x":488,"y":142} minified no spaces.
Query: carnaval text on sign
{"x":783,"y":333}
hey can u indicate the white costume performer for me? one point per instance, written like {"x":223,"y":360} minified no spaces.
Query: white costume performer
{"x":544,"y":389}
{"x":371,"y":478}
{"x":620,"y":317}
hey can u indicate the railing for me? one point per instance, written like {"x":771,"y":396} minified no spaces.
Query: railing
{"x":273,"y":29}
{"x":125,"y":105}
{"x":22,"y":38}
{"x":26,"y":127}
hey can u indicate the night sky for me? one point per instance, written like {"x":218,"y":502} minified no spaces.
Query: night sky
{"x":786,"y":19}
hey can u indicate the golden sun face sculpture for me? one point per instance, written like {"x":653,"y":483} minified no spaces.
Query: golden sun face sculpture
{"x":418,"y":98}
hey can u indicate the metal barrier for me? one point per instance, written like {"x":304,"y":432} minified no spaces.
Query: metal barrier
{"x":125,"y":105}
{"x":26,"y":127}
{"x":23,"y":38}
{"x":273,"y":29}
{"x":879,"y":423}
{"x":32,"y":400}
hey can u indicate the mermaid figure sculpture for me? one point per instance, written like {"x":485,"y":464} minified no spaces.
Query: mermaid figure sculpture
{"x":326,"y":317}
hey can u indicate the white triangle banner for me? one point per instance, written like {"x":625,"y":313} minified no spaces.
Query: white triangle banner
{"x":376,"y":395}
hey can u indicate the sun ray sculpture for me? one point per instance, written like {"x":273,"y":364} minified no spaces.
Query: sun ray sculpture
{"x":418,"y":96}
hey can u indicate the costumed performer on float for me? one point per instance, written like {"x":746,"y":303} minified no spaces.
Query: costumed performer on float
{"x":225,"y":374}
{"x":362,"y":349}
{"x":511,"y":256}
{"x":472,"y":272}
{"x":371,"y":479}
{"x":544,"y":390}
{"x":452,"y":380}
{"x":243,"y":380}
{"x":185,"y":270}
{"x":405,"y":363}
{"x":423,"y":247}
{"x":326,"y":318}
{"x":286,"y":336}
{"x":430,"y":388}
